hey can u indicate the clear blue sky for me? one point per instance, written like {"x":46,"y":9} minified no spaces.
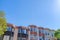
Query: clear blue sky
{"x":45,"y":13}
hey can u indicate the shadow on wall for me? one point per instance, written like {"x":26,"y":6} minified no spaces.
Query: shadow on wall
{"x":1,"y":37}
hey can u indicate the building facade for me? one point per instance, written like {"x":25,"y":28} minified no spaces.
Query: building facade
{"x":31,"y":32}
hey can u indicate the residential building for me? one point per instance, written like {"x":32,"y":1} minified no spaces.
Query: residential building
{"x":32,"y":32}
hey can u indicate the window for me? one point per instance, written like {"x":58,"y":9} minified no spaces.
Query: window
{"x":33,"y":29}
{"x":39,"y":31}
{"x":9,"y":29}
{"x":42,"y":31}
{"x":19,"y":30}
{"x":12,"y":29}
{"x":24,"y":31}
{"x":48,"y":33}
{"x":52,"y":35}
{"x":40,"y":39}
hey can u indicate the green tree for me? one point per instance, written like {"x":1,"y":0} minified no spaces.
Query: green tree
{"x":3,"y":23}
{"x":57,"y":34}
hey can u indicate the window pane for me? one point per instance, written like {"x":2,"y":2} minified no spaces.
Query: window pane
{"x":24,"y":31}
{"x":31,"y":29}
{"x":19,"y":30}
{"x":9,"y":29}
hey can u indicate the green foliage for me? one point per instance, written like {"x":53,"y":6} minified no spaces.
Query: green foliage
{"x":3,"y":24}
{"x":57,"y":33}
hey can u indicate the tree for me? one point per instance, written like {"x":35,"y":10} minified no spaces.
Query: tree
{"x":3,"y":23}
{"x":57,"y":34}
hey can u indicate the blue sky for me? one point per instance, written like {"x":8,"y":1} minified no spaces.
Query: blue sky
{"x":45,"y":13}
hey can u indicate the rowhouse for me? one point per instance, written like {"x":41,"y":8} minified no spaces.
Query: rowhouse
{"x":31,"y":32}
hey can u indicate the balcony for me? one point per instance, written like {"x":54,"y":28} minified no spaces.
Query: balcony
{"x":9,"y":33}
{"x":22,"y":35}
